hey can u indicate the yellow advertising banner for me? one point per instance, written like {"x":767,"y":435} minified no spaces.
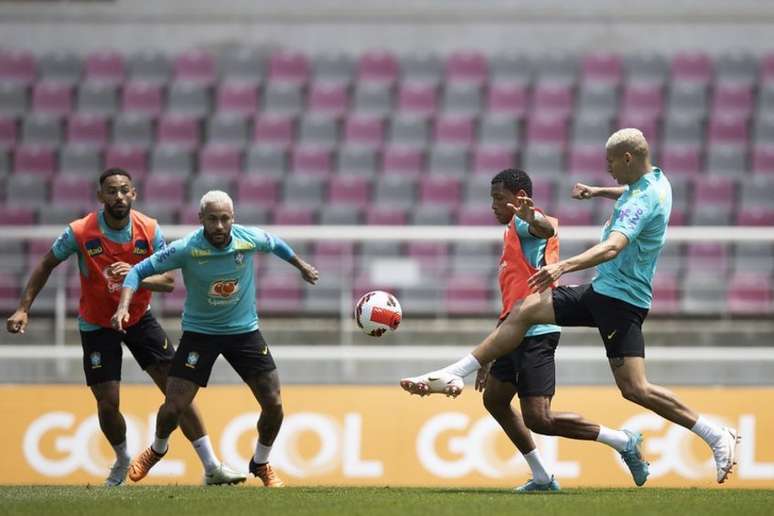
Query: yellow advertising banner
{"x":379,"y":435}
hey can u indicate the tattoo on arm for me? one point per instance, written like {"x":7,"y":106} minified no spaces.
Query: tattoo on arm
{"x":616,"y":362}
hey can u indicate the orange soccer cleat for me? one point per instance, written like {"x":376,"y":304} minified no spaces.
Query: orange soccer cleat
{"x":266,"y":474}
{"x":142,"y":464}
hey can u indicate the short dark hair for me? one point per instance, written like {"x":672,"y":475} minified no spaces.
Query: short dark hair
{"x":113,"y":172}
{"x":514,"y":179}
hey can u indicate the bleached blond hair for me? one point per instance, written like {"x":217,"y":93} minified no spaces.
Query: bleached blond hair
{"x":215,"y":196}
{"x":628,"y":140}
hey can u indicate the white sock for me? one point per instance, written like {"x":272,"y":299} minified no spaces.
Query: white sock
{"x":708,"y":431}
{"x":464,"y":367}
{"x":261,"y":453}
{"x":539,"y":473}
{"x":206,"y":454}
{"x":615,"y":438}
{"x":160,"y":445}
{"x":121,"y":454}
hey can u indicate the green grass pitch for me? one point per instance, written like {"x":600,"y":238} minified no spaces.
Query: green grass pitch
{"x":375,"y":501}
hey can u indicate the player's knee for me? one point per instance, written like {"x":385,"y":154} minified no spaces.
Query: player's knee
{"x":496,"y":405}
{"x":636,"y":393}
{"x":107,"y":406}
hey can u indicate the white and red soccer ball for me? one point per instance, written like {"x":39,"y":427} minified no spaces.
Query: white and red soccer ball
{"x":377,"y":313}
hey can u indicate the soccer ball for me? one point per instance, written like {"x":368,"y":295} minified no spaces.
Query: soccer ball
{"x":377,"y":313}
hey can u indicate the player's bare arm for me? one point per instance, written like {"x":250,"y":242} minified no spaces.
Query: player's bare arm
{"x":308,"y":272}
{"x":18,"y":321}
{"x":600,"y":253}
{"x":121,"y":316}
{"x":582,"y":192}
{"x":539,"y":226}
{"x":156,"y":283}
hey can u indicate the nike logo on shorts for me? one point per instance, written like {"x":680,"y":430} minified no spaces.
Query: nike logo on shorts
{"x":612,"y":334}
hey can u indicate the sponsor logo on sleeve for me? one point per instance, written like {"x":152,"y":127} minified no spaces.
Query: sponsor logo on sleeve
{"x":164,"y":255}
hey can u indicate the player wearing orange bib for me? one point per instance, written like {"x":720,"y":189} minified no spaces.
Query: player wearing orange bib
{"x":531,"y":241}
{"x":107,"y":243}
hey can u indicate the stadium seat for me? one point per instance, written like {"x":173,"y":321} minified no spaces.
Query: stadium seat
{"x":294,"y":215}
{"x":468,"y":295}
{"x":304,"y":191}
{"x":17,"y":66}
{"x":180,"y":130}
{"x":142,"y":97}
{"x":454,"y":130}
{"x":726,"y":160}
{"x":332,"y":214}
{"x":276,"y":129}
{"x":598,"y":99}
{"x":189,"y":98}
{"x":417,"y":98}
{"x":500,"y":130}
{"x":728,"y":130}
{"x":13,"y":99}
{"x":466,"y":66}
{"x":490,"y":159}
{"x":373,"y":98}
{"x":704,"y":293}
{"x":203,"y":183}
{"x":357,"y":160}
{"x":149,"y":66}
{"x":222,"y":160}
{"x":587,"y":160}
{"x":432,"y":215}
{"x":750,"y":293}
{"x":26,"y":190}
{"x":646,"y":67}
{"x":288,"y":67}
{"x":34,"y":159}
{"x":87,"y":129}
{"x":406,"y":161}
{"x":544,"y":160}
{"x":172,"y":160}
{"x":462,"y":98}
{"x":164,"y":190}
{"x":386,"y":215}
{"x":258,"y":189}
{"x":757,"y":191}
{"x":692,"y":66}
{"x":439,"y":190}
{"x":100,"y":98}
{"x":754,"y":257}
{"x":333,"y":68}
{"x":733,"y":98}
{"x":680,"y":161}
{"x":511,"y":66}
{"x":283,"y":98}
{"x":547,"y":129}
{"x":228,"y":129}
{"x":645,"y":96}
{"x":133,"y":158}
{"x":556,"y":67}
{"x":105,"y":66}
{"x":475,"y":216}
{"x":268,"y":161}
{"x":41,"y":129}
{"x":329,"y":98}
{"x":755,"y":216}
{"x":395,"y":191}
{"x":241,"y":64}
{"x":195,"y":65}
{"x":348,"y":191}
{"x":318,"y":130}
{"x":666,"y":294}
{"x":8,"y":131}
{"x":715,"y":191}
{"x":54,"y":98}
{"x":739,"y":67}
{"x":421,"y":66}
{"x":507,"y":98}
{"x":73,"y":190}
{"x":364,"y":130}
{"x":763,"y":159}
{"x":554,"y":98}
{"x":707,"y":257}
{"x":311,"y":160}
{"x":409,"y":130}
{"x":60,"y":66}
{"x":80,"y":159}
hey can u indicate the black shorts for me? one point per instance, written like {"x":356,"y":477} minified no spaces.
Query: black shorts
{"x":530,"y":367}
{"x":102,"y":351}
{"x":247,"y":353}
{"x":619,"y":322}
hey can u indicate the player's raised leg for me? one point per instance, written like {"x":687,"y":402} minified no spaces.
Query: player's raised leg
{"x":629,"y":373}
{"x":535,"y":309}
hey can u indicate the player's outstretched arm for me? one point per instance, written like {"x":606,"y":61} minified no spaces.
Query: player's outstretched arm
{"x":539,"y":226}
{"x":156,"y":283}
{"x":581,"y":191}
{"x":18,"y":321}
{"x":600,"y":253}
{"x":308,"y":272}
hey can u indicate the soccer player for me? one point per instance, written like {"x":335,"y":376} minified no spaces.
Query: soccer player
{"x":219,"y":318}
{"x":616,"y":302}
{"x":108,"y":242}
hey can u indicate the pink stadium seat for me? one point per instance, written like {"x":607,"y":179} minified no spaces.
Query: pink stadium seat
{"x":8,"y":131}
{"x":364,"y":130}
{"x":507,"y":98}
{"x":35,"y":159}
{"x":293,"y":215}
{"x":142,"y":97}
{"x":587,"y":159}
{"x":72,"y":190}
{"x":16,"y":216}
{"x":677,"y":160}
{"x":87,"y":129}
{"x":288,"y":66}
{"x":707,"y":256}
{"x":418,"y":98}
{"x":551,"y":129}
{"x":643,"y":97}
{"x":728,"y":129}
{"x":280,"y":293}
{"x":17,"y":66}
{"x":692,"y":66}
{"x":733,"y":98}
{"x":755,"y":216}
{"x":403,"y":160}
{"x":645,"y":121}
{"x":180,"y":130}
{"x":574,"y":214}
{"x":750,"y":293}
{"x":468,"y":295}
{"x":237,"y":97}
{"x":195,"y":66}
{"x":385,"y":216}
{"x":9,"y":291}
{"x":475,"y":216}
{"x":490,"y":159}
{"x":105,"y":65}
{"x":274,"y":129}
{"x":763,"y":159}
{"x":767,"y":67}
{"x":220,"y":159}
{"x":666,"y":294}
{"x":164,"y":189}
{"x":330,"y":98}
{"x":454,"y":129}
{"x":467,"y":66}
{"x":432,"y":256}
{"x":543,"y":193}
{"x":553,"y":98}
{"x":714,"y":190}
{"x":52,"y":97}
{"x":604,"y":67}
{"x":130,"y":158}
{"x":259,"y":189}
{"x":439,"y":190}
{"x":348,"y":190}
{"x":311,"y":160}
{"x":379,"y":66}
{"x":678,"y":217}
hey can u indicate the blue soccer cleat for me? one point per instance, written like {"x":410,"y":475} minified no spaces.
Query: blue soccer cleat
{"x":633,"y":459}
{"x":530,"y":486}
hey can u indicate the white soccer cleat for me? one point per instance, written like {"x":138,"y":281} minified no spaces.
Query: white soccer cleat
{"x":118,"y":472}
{"x":437,"y":382}
{"x":724,"y":452}
{"x":223,"y":475}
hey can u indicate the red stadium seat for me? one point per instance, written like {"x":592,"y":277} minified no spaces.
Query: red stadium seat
{"x":106,"y":66}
